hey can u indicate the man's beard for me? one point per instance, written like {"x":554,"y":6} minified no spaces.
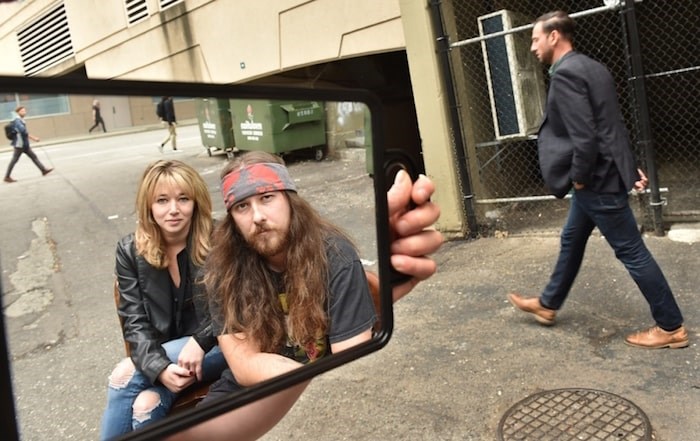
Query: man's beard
{"x":547,"y":57}
{"x":270,"y":244}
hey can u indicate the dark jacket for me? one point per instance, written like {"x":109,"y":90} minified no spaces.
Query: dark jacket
{"x":169,"y":111}
{"x":149,"y":312}
{"x":582,"y":137}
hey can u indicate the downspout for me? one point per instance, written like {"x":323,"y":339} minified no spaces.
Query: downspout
{"x":443,"y":51}
{"x":643,"y":121}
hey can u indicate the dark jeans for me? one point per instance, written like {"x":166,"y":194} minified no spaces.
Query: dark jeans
{"x":17,"y":152}
{"x":98,"y":121}
{"x":613,"y":216}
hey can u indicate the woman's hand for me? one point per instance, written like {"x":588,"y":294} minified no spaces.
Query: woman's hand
{"x":191,"y":358}
{"x":176,"y":378}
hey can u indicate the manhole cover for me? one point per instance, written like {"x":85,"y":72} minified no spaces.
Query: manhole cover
{"x":574,"y":414}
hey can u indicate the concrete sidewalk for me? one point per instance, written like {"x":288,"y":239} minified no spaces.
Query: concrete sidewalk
{"x":461,"y":356}
{"x":6,"y":146}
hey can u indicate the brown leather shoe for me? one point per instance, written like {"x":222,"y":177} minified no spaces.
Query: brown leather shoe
{"x":47,"y":171}
{"x":657,"y":338}
{"x":9,"y":179}
{"x":544,"y":316}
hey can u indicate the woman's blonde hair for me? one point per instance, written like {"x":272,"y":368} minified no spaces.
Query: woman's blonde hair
{"x":149,"y":239}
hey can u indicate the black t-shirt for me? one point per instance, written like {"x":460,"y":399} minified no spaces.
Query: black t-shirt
{"x":185,"y":320}
{"x":349,"y":304}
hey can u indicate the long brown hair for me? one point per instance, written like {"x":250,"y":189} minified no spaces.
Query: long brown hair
{"x":240,"y":282}
{"x":149,"y":238}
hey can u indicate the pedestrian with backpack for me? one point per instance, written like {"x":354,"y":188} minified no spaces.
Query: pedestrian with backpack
{"x":166,"y":112}
{"x":21,"y":144}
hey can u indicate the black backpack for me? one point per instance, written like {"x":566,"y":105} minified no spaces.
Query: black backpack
{"x":159,"y":109}
{"x":10,"y":131}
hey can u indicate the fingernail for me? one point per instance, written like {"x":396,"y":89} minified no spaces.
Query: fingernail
{"x":400,"y":177}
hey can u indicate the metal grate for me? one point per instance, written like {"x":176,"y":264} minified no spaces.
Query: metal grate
{"x":576,"y":415}
{"x":136,"y":11}
{"x":46,"y":41}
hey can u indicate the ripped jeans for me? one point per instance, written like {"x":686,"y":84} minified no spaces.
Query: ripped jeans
{"x":119,"y":417}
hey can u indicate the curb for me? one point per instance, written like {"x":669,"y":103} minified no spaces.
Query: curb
{"x":88,"y":136}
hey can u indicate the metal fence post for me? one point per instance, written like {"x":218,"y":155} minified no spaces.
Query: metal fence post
{"x":642,"y":109}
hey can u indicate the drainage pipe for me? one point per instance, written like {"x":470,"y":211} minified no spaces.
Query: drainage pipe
{"x":443,"y":51}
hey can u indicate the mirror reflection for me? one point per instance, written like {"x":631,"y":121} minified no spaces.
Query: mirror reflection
{"x":72,"y":207}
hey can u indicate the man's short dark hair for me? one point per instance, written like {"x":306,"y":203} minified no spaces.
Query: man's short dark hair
{"x":558,"y":21}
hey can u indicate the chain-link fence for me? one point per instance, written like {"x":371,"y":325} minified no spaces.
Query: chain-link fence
{"x":500,"y":89}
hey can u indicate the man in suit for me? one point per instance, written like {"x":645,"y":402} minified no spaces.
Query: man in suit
{"x":583,"y":144}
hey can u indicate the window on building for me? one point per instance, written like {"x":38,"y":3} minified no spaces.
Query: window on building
{"x":36,"y":104}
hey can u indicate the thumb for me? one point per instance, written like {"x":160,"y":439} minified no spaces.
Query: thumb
{"x":399,"y":194}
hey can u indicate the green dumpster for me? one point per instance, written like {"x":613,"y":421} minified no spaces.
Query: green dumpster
{"x":215,"y":125}
{"x":279,"y":126}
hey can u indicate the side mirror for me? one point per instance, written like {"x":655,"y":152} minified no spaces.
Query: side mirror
{"x":207,"y":104}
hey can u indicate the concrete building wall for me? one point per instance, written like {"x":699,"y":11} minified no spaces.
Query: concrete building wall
{"x":222,"y":41}
{"x":432,"y":111}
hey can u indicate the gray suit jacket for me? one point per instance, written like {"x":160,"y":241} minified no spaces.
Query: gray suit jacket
{"x":582,"y":137}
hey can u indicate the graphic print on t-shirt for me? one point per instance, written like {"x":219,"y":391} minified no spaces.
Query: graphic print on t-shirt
{"x":310,"y":352}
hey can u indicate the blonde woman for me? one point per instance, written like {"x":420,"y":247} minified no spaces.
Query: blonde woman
{"x":162,"y":305}
{"x":97,"y":117}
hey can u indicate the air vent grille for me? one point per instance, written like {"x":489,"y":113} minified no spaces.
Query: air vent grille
{"x":164,"y":4}
{"x":136,"y":11}
{"x":46,"y":41}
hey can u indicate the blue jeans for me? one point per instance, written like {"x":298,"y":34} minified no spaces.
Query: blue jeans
{"x":118,"y":416}
{"x":613,"y":216}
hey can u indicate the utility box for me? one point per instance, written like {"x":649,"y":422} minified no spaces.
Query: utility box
{"x":215,"y":125}
{"x":514,"y":76}
{"x":279,"y":126}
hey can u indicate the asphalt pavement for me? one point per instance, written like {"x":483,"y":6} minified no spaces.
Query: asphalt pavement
{"x":460,"y":358}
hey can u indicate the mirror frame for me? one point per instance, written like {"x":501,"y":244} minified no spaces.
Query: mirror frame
{"x":381,"y":336}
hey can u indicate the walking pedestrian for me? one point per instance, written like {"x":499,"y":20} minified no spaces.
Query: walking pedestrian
{"x":583,"y":144}
{"x":166,"y":112}
{"x":21,"y":145}
{"x":97,"y":117}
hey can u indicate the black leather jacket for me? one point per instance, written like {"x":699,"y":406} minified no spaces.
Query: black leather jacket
{"x":148,"y":311}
